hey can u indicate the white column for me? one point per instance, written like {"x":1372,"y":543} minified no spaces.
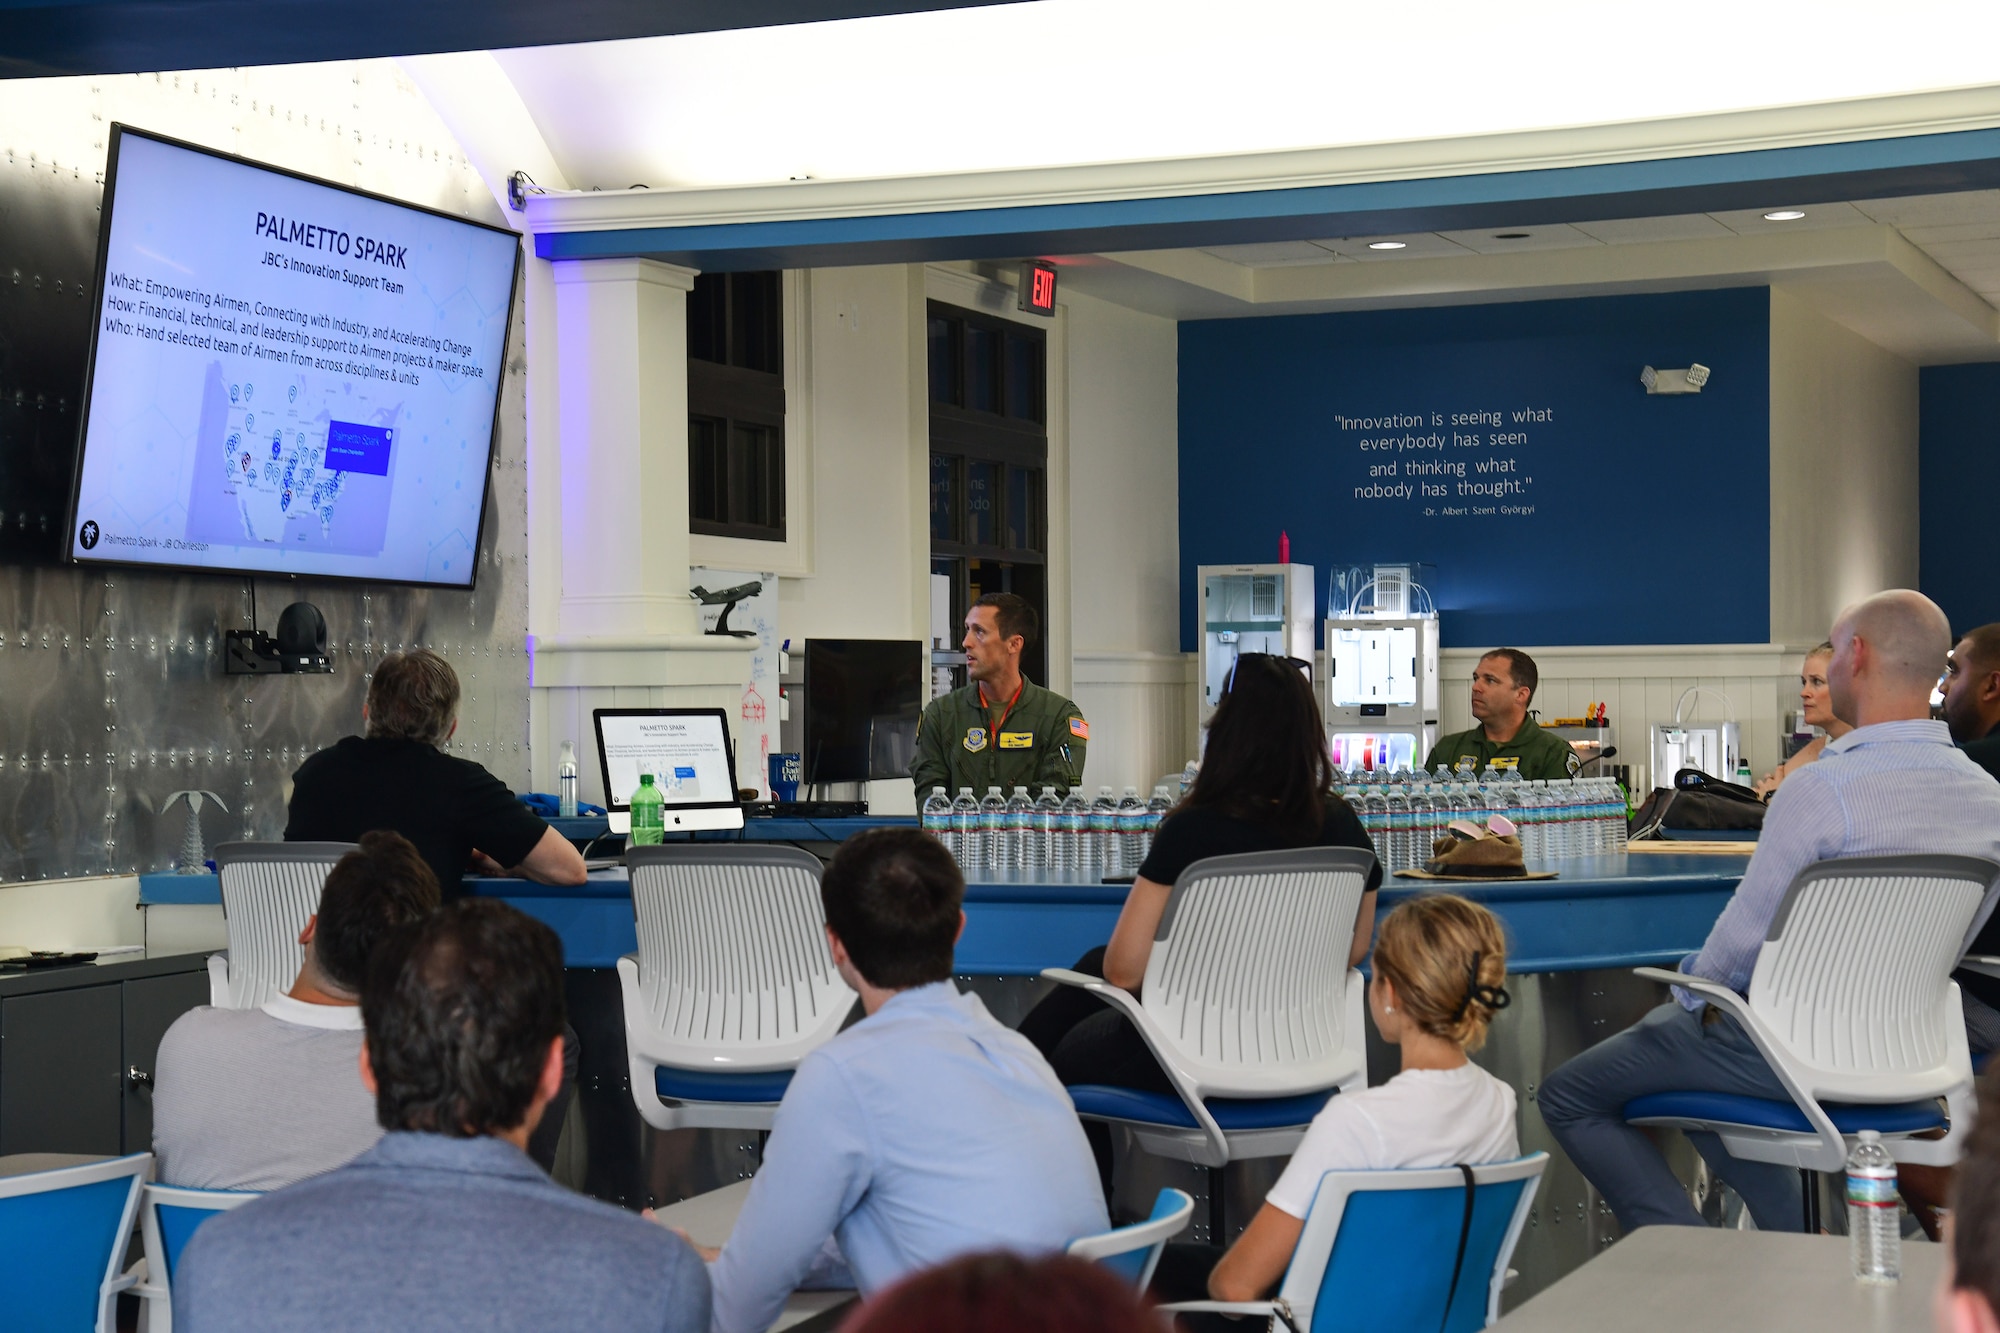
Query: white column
{"x":621,"y":325}
{"x":611,"y":621}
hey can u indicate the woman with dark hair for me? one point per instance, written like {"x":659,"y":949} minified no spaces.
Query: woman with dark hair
{"x":1265,"y":784}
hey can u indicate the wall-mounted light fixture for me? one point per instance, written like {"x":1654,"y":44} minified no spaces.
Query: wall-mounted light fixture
{"x":1674,"y":381}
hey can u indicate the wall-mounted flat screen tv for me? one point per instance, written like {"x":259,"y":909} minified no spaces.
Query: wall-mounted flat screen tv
{"x":286,"y":376}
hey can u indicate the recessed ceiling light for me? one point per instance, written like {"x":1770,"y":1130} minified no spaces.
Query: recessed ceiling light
{"x":1386,"y":245}
{"x":1510,"y":235}
{"x":1784,"y":215}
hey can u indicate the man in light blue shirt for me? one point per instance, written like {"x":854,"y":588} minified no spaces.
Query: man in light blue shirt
{"x":923,"y":1132}
{"x":1895,"y":785}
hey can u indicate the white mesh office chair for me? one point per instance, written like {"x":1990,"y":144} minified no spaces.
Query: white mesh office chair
{"x":269,"y":890}
{"x":1852,"y":1004}
{"x":732,"y":984}
{"x":1249,"y":1006}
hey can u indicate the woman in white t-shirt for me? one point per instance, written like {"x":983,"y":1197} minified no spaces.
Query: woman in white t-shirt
{"x":1439,"y":964}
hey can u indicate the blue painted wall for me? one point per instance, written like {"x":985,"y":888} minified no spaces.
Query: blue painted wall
{"x":1622,"y":518}
{"x":1958,"y":473}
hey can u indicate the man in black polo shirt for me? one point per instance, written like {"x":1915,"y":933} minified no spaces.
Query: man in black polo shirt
{"x":459,"y":816}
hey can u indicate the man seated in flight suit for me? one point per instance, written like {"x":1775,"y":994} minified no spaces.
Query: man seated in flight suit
{"x":1503,"y":685}
{"x":1002,"y":730}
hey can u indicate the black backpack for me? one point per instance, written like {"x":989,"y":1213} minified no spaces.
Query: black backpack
{"x":1697,"y":803}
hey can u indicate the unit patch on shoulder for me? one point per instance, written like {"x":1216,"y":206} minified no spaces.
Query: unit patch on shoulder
{"x":1017,"y":740}
{"x":975,"y":739}
{"x":1079,"y":728}
{"x":1574,"y":762}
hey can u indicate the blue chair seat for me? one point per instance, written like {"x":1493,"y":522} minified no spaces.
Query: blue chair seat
{"x":702,"y":1085}
{"x":1159,"y":1108}
{"x":1734,"y":1109}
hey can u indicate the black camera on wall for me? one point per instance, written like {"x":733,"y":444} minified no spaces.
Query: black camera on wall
{"x":299,"y":648}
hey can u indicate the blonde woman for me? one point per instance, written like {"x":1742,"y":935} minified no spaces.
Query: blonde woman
{"x":1818,"y":701}
{"x":1440,"y":965}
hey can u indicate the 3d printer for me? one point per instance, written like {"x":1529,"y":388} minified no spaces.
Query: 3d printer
{"x":1381,"y":667}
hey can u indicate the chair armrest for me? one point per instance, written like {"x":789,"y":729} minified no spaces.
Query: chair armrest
{"x":1984,"y":964}
{"x":1714,"y":992}
{"x":1265,"y":1308}
{"x":1128,"y":1004}
{"x":1727,"y":1000}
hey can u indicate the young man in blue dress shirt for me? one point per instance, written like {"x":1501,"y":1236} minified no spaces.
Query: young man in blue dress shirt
{"x":1895,"y":785}
{"x":923,"y":1132}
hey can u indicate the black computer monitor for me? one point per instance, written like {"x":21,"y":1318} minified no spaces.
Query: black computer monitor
{"x":863,"y":699}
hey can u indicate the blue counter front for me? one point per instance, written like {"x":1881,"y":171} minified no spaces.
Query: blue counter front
{"x":1613,"y":911}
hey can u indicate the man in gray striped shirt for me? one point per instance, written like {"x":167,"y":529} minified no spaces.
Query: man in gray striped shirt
{"x":255,"y":1099}
{"x":1895,"y":785}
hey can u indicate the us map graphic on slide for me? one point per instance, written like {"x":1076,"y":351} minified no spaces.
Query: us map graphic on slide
{"x":287,"y":469}
{"x":288,"y":376}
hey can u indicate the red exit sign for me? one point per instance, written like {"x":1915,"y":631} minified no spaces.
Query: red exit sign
{"x":1038,"y":289}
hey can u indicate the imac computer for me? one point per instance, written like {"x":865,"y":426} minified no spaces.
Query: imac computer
{"x":688,"y":752}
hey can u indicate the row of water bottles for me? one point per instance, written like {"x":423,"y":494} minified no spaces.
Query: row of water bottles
{"x":1107,"y":836}
{"x":1557,"y":819}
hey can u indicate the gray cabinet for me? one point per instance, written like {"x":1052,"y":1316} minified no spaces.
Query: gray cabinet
{"x":68,"y":1039}
{"x":151,"y":1006}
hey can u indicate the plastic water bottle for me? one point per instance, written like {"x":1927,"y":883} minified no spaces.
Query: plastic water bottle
{"x":1104,"y":858}
{"x":1620,"y":820}
{"x":1422,"y":822}
{"x":1556,"y":821}
{"x":1045,"y":821}
{"x":965,"y":823}
{"x":937,"y":820}
{"x":1398,"y":803}
{"x":1020,"y":830}
{"x":1374,"y":812}
{"x":1131,"y":824}
{"x":566,"y":781}
{"x":1537,"y":818}
{"x":993,"y":830}
{"x":1187,"y":778}
{"x":1156,"y":814}
{"x":649,"y":814}
{"x":1874,"y":1221}
{"x":1073,"y":833}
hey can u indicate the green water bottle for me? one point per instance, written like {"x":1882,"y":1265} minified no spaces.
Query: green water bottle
{"x":649,"y":814}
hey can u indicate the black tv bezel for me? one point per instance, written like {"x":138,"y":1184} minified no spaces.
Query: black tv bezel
{"x":118,"y":132}
{"x":808,"y":773}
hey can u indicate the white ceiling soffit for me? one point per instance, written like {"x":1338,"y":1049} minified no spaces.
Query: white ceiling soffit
{"x":1863,"y":273}
{"x":1064,"y":82}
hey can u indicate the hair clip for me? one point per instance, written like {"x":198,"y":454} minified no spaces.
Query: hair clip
{"x":1495,"y":998}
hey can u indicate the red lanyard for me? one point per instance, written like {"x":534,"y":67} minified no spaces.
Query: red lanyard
{"x":994,"y":730}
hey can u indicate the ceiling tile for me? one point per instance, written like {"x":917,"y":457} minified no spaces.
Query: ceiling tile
{"x":1273,"y":254}
{"x":1934,"y":210}
{"x":1637,"y":231}
{"x":1951,"y":234}
{"x":1416,"y":245}
{"x":1510,"y":240}
{"x":1748,"y":221}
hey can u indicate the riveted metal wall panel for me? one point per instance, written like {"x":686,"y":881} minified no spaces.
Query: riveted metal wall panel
{"x":112,"y":693}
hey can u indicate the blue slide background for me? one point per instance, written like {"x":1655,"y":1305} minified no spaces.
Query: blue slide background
{"x":1261,"y":451}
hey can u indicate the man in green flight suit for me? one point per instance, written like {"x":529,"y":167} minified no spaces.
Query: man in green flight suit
{"x":1503,"y":685}
{"x":1002,"y":730}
